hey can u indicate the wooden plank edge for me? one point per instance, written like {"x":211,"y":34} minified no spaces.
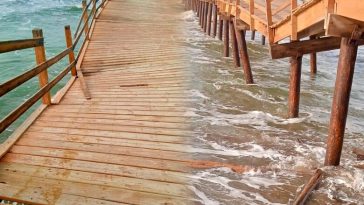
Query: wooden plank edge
{"x":14,"y":137}
{"x":308,"y":188}
{"x":341,"y":26}
{"x":83,"y":84}
{"x":61,"y":93}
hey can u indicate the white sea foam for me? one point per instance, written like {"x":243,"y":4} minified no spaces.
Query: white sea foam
{"x":197,"y":93}
{"x":217,"y":181}
{"x":203,"y":197}
{"x":188,"y":16}
{"x":257,"y":119}
{"x":245,"y":150}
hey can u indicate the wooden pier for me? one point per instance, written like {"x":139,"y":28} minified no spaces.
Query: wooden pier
{"x":129,"y":142}
{"x":117,"y":132}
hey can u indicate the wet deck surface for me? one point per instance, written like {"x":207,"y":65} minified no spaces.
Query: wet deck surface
{"x":129,"y":144}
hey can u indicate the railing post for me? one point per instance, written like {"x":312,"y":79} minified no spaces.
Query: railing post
{"x":269,"y":20}
{"x":294,"y":36}
{"x":251,"y":11}
{"x":94,"y":8}
{"x":71,"y":56}
{"x":40,"y":58}
{"x":85,"y":18}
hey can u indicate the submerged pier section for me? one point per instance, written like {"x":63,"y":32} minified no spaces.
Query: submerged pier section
{"x":117,"y":132}
{"x":309,"y":27}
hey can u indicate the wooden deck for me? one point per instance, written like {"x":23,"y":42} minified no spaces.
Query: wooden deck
{"x":130,"y":143}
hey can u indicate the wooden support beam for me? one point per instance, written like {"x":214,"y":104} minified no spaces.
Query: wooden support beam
{"x":341,"y":26}
{"x":340,"y":105}
{"x":209,"y":17}
{"x":40,"y":57}
{"x":226,"y":38}
{"x":305,"y":47}
{"x":234,"y":44}
{"x":313,"y":60}
{"x":308,"y":188}
{"x":69,"y":43}
{"x":214,"y":28}
{"x":221,"y":28}
{"x":244,"y":56}
{"x":295,"y":86}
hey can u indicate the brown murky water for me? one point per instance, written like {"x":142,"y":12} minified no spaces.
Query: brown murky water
{"x":247,"y":125}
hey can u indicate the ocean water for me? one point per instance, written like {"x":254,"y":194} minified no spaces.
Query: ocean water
{"x":17,"y":19}
{"x":240,"y":124}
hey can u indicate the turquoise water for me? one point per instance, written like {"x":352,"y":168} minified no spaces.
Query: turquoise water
{"x":17,"y":19}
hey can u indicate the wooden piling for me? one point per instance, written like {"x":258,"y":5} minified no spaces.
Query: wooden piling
{"x":313,"y":60}
{"x":200,"y":12}
{"x":234,"y":44}
{"x":209,"y":17}
{"x":226,"y":38}
{"x":198,"y":9}
{"x":244,"y":56}
{"x":252,"y":35}
{"x":295,"y":86}
{"x":221,"y":27}
{"x":85,"y":18}
{"x":339,"y":110}
{"x":203,"y":15}
{"x":69,"y":43}
{"x":263,"y":40}
{"x":206,"y":16}
{"x":40,"y":57}
{"x":214,"y":28}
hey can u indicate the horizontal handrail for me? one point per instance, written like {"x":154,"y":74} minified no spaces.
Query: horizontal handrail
{"x":14,"y":115}
{"x":22,"y":78}
{"x":80,"y":20}
{"x":8,"y":46}
{"x":81,"y":32}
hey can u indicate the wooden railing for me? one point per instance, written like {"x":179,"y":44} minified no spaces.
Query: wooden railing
{"x":41,"y":70}
{"x":262,"y":15}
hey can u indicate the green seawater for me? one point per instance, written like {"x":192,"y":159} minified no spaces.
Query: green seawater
{"x":17,"y":19}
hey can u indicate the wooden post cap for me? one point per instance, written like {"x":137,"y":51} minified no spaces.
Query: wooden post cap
{"x":37,"y":32}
